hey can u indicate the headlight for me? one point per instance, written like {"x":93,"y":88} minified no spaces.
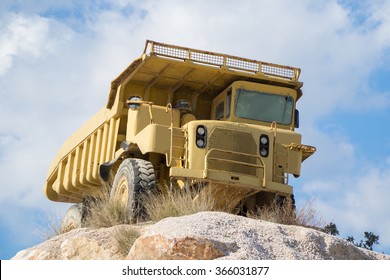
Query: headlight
{"x":201,"y":130}
{"x":264,"y":145}
{"x":135,"y":105}
{"x":200,"y":143}
{"x":263,"y":152}
{"x":264,"y":140}
{"x":201,"y":136}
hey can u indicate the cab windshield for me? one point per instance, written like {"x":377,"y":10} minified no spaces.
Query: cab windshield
{"x":262,"y":106}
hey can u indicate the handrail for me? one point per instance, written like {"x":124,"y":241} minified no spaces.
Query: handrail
{"x":172,"y":128}
{"x":223,"y":60}
{"x":169,"y":159}
{"x":284,"y":176}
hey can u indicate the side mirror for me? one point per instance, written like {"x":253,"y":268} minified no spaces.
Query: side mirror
{"x":296,"y":119}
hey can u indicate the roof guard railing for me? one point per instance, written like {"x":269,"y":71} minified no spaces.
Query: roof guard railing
{"x":222,"y":60}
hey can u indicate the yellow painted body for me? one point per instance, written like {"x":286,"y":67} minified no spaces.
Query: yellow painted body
{"x":154,"y":109}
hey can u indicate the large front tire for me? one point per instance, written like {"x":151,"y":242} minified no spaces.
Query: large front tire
{"x":134,"y":179}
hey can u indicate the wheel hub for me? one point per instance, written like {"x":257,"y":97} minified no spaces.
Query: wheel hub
{"x":122,"y":193}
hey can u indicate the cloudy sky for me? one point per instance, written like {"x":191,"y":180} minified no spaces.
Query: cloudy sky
{"x":57,"y":59}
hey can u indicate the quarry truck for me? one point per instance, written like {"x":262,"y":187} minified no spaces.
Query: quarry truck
{"x":182,"y":118}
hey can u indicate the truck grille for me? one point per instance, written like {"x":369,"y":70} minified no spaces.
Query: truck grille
{"x":230,"y":145}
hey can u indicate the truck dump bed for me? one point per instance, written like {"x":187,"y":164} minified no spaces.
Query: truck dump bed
{"x":163,"y":74}
{"x":219,"y":70}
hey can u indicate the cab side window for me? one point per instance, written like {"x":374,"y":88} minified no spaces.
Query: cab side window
{"x":219,"y":111}
{"x":228,"y":102}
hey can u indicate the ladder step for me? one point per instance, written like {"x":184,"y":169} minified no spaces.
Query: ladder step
{"x":178,"y":147}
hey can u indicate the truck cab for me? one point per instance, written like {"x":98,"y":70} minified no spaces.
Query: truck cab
{"x":246,"y":102}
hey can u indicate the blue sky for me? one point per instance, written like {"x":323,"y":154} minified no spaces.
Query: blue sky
{"x":57,"y":59}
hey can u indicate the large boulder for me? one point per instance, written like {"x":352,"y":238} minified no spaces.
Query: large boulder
{"x":78,"y":244}
{"x":235,"y":237}
{"x":205,"y":235}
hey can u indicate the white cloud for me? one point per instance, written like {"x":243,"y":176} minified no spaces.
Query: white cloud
{"x":22,"y":37}
{"x":335,"y":156}
{"x":356,"y":201}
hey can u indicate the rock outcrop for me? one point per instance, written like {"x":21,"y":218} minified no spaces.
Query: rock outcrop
{"x":205,"y":235}
{"x":78,"y":244}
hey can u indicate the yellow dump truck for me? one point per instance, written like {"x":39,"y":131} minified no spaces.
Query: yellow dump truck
{"x":182,"y":117}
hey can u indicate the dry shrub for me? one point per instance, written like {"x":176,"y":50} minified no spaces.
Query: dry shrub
{"x":125,"y":238}
{"x":275,"y":213}
{"x":64,"y":229}
{"x":309,"y":216}
{"x":287,"y":214}
{"x":105,"y":212}
{"x":178,"y":202}
{"x":51,"y":228}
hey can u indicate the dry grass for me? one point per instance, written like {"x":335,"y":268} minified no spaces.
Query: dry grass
{"x":105,"y":212}
{"x":125,"y":238}
{"x":53,"y":227}
{"x":64,"y":229}
{"x":275,"y":213}
{"x":178,"y":202}
{"x":307,"y":216}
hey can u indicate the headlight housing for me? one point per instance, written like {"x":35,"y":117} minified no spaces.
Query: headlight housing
{"x":201,"y":136}
{"x":264,"y":145}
